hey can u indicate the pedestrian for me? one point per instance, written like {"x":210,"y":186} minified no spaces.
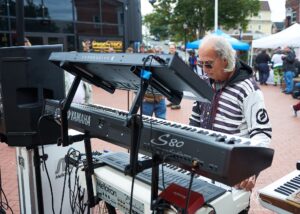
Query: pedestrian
{"x":154,"y":103}
{"x":295,"y":109}
{"x":111,"y":50}
{"x":84,"y":90}
{"x":289,"y":69}
{"x":193,"y":61}
{"x":129,"y":50}
{"x":277,"y":66}
{"x":158,"y":49}
{"x":27,"y":42}
{"x":172,"y":51}
{"x":86,"y":45}
{"x":262,"y":63}
{"x":238,"y":106}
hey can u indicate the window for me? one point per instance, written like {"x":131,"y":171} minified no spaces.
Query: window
{"x":294,"y":17}
{"x":96,"y":20}
{"x":49,"y":9}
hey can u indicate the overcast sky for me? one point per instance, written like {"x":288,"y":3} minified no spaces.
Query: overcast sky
{"x":277,"y":8}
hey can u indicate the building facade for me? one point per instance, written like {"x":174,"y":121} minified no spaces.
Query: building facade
{"x":106,"y":23}
{"x":261,"y":23}
{"x":292,"y":12}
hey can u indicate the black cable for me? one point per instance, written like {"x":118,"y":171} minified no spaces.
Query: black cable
{"x":70,"y":190}
{"x":64,"y":184}
{"x":139,"y":134}
{"x":48,"y":177}
{"x":63,"y":191}
{"x":44,"y":161}
{"x":211,"y":206}
{"x":4,"y":205}
{"x":75,"y":191}
{"x":189,"y":193}
{"x":74,"y":158}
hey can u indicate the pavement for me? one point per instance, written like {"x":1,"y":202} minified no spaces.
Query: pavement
{"x":285,"y":141}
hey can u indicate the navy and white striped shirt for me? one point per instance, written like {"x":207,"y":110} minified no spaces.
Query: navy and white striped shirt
{"x":237,"y":109}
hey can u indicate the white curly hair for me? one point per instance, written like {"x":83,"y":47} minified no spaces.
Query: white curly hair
{"x":223,"y":49}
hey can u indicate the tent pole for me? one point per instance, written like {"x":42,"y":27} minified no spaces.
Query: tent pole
{"x":251,"y":57}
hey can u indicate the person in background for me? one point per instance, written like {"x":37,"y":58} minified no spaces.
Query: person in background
{"x":193,"y":61}
{"x":111,"y":50}
{"x":295,"y":109}
{"x":277,"y":66}
{"x":289,"y":69}
{"x":129,"y":50}
{"x":158,"y":50}
{"x":154,"y":103}
{"x":262,"y":60}
{"x":84,"y":90}
{"x":142,"y":48}
{"x":238,"y":106}
{"x":27,"y":42}
{"x":86,"y":46}
{"x":172,"y":51}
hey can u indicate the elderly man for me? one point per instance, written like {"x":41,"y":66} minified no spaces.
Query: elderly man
{"x":238,"y":106}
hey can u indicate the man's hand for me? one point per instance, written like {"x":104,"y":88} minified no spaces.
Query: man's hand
{"x":247,"y":184}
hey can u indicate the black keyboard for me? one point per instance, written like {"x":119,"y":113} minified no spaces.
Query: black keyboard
{"x":221,"y":157}
{"x":209,"y":191}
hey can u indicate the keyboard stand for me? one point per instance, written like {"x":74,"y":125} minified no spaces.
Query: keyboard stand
{"x":135,"y":123}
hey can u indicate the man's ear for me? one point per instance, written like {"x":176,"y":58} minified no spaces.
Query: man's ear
{"x":225,"y":63}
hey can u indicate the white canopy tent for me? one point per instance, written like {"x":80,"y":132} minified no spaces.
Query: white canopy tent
{"x":287,"y":37}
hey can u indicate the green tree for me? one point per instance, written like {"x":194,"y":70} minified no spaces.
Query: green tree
{"x":169,"y":16}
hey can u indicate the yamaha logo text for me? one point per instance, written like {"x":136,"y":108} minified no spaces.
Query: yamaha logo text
{"x":79,"y":118}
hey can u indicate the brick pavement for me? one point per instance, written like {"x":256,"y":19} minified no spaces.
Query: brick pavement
{"x":285,"y":141}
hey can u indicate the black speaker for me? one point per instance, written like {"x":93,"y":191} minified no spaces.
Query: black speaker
{"x":27,"y":78}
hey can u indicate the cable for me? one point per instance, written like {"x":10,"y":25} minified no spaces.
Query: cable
{"x":64,"y":184}
{"x":44,"y":161}
{"x":189,"y":193}
{"x":211,"y":206}
{"x":139,"y":134}
{"x":48,"y":177}
{"x":4,"y":205}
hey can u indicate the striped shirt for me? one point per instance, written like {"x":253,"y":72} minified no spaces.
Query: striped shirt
{"x":239,"y":110}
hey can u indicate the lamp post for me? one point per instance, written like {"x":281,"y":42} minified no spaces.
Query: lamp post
{"x":125,"y":25}
{"x":152,"y":1}
{"x":216,"y":15}
{"x":185,"y":26}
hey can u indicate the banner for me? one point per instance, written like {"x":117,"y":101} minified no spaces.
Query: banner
{"x":107,"y":46}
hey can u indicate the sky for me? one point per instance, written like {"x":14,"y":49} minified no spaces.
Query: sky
{"x":277,"y":9}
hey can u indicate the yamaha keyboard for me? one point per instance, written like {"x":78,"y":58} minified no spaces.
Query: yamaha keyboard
{"x":224,"y":158}
{"x":116,"y":191}
{"x":283,"y":195}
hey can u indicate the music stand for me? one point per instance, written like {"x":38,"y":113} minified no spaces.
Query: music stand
{"x":168,"y":75}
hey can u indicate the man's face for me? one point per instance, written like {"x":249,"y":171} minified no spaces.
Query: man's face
{"x":172,"y":49}
{"x":212,"y":64}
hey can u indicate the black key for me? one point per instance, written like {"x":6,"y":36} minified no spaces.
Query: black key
{"x":294,"y":184}
{"x":282,"y":192}
{"x":291,"y":186}
{"x":296,"y":181}
{"x":286,"y":189}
